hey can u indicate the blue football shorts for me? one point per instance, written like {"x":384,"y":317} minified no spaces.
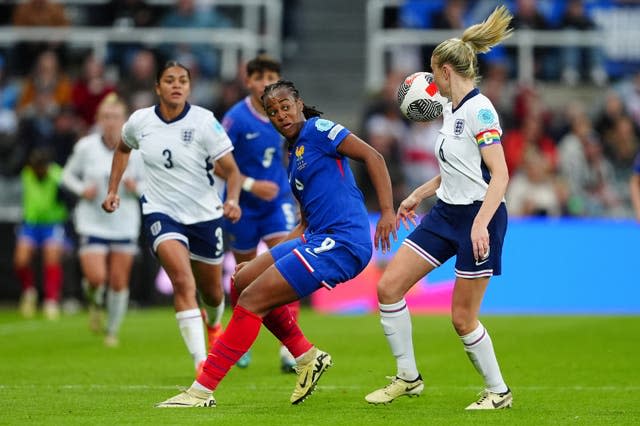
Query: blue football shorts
{"x":319,"y":260}
{"x":39,"y":235}
{"x":203,"y":239}
{"x":254,"y":226}
{"x":446,"y":232}
{"x":93,"y":244}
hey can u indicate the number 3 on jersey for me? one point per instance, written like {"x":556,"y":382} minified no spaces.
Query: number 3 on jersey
{"x":168,"y":163}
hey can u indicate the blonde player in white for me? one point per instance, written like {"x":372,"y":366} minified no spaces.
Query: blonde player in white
{"x":108,"y":243}
{"x":180,"y":145}
{"x":469,"y":220}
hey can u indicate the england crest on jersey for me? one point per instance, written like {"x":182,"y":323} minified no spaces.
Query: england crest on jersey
{"x":458,"y":127}
{"x":187,"y":135}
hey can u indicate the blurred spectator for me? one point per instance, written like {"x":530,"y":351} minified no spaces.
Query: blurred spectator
{"x":534,"y":190}
{"x":46,"y":77}
{"x":45,"y":125}
{"x":530,"y":136}
{"x":630,"y":90}
{"x":36,"y":13}
{"x":451,"y":16}
{"x":136,"y":86}
{"x":621,"y":145}
{"x":89,"y":90}
{"x":589,"y":174}
{"x":386,"y":131}
{"x":575,"y":58}
{"x":9,"y":92}
{"x":187,"y":14}
{"x":527,"y":17}
{"x":231,"y":91}
{"x":611,"y":111}
{"x":634,"y":187}
{"x":419,"y":162}
{"x":123,"y":14}
{"x":496,"y":86}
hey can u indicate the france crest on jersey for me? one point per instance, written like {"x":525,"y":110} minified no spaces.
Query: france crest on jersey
{"x":323,"y":183}
{"x":179,"y":157}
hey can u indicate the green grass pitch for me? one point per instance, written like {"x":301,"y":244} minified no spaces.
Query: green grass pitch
{"x":563,"y":370}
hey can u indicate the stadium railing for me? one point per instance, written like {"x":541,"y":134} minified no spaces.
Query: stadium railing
{"x":381,"y":40}
{"x":259,"y":30}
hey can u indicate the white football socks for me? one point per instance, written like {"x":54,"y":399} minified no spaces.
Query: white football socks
{"x":117,"y":303}
{"x":479,"y":349}
{"x":214,"y":313}
{"x":190,"y":324}
{"x":396,"y":323}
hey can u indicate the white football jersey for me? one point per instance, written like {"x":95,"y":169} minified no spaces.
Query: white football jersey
{"x":179,"y":158}
{"x":465,"y":131}
{"x":90,"y":164}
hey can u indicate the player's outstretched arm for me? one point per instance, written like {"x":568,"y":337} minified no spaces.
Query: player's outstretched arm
{"x":118,"y":165}
{"x":354,"y":147}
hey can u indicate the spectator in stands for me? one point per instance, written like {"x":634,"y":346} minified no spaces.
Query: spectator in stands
{"x":231,"y":91}
{"x":612,"y":110}
{"x":589,"y":174}
{"x":42,"y":228}
{"x":419,"y":162}
{"x":137,"y":84}
{"x":123,"y":14}
{"x":530,"y":136}
{"x":187,"y":14}
{"x":89,"y":90}
{"x":9,"y":92}
{"x":575,"y":58}
{"x":534,"y":190}
{"x":496,"y":86}
{"x":528,"y":17}
{"x":385,"y":131}
{"x":46,"y":78}
{"x":630,"y":90}
{"x":634,"y":187}
{"x":36,"y":13}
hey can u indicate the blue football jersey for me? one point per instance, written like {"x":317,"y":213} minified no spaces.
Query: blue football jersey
{"x":257,"y":148}
{"x":323,"y":183}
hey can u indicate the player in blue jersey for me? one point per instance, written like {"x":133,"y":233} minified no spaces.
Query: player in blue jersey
{"x":181,"y":145}
{"x":634,"y":187}
{"x":330,"y":245}
{"x":266,"y":201}
{"x":469,"y":220}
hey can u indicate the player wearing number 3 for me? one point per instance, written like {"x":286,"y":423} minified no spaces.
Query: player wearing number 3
{"x":469,"y":220}
{"x":332,"y":244}
{"x":180,"y":145}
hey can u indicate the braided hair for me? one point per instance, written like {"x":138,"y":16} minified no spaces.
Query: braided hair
{"x":308,"y":111}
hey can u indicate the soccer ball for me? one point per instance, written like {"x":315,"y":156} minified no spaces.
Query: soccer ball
{"x":419,"y":98}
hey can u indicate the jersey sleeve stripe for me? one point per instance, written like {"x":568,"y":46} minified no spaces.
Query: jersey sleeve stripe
{"x":488,"y":137}
{"x":223,"y":152}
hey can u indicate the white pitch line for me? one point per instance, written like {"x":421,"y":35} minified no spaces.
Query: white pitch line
{"x":607,"y":388}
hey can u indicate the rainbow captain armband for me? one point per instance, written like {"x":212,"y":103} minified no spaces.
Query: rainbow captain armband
{"x":487,"y":137}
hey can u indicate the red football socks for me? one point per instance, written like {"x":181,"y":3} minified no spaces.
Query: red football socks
{"x":26,"y":277}
{"x":52,"y":281}
{"x":281,"y":323}
{"x":241,"y":332}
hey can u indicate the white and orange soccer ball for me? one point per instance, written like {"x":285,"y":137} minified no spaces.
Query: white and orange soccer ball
{"x":419,"y":98}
